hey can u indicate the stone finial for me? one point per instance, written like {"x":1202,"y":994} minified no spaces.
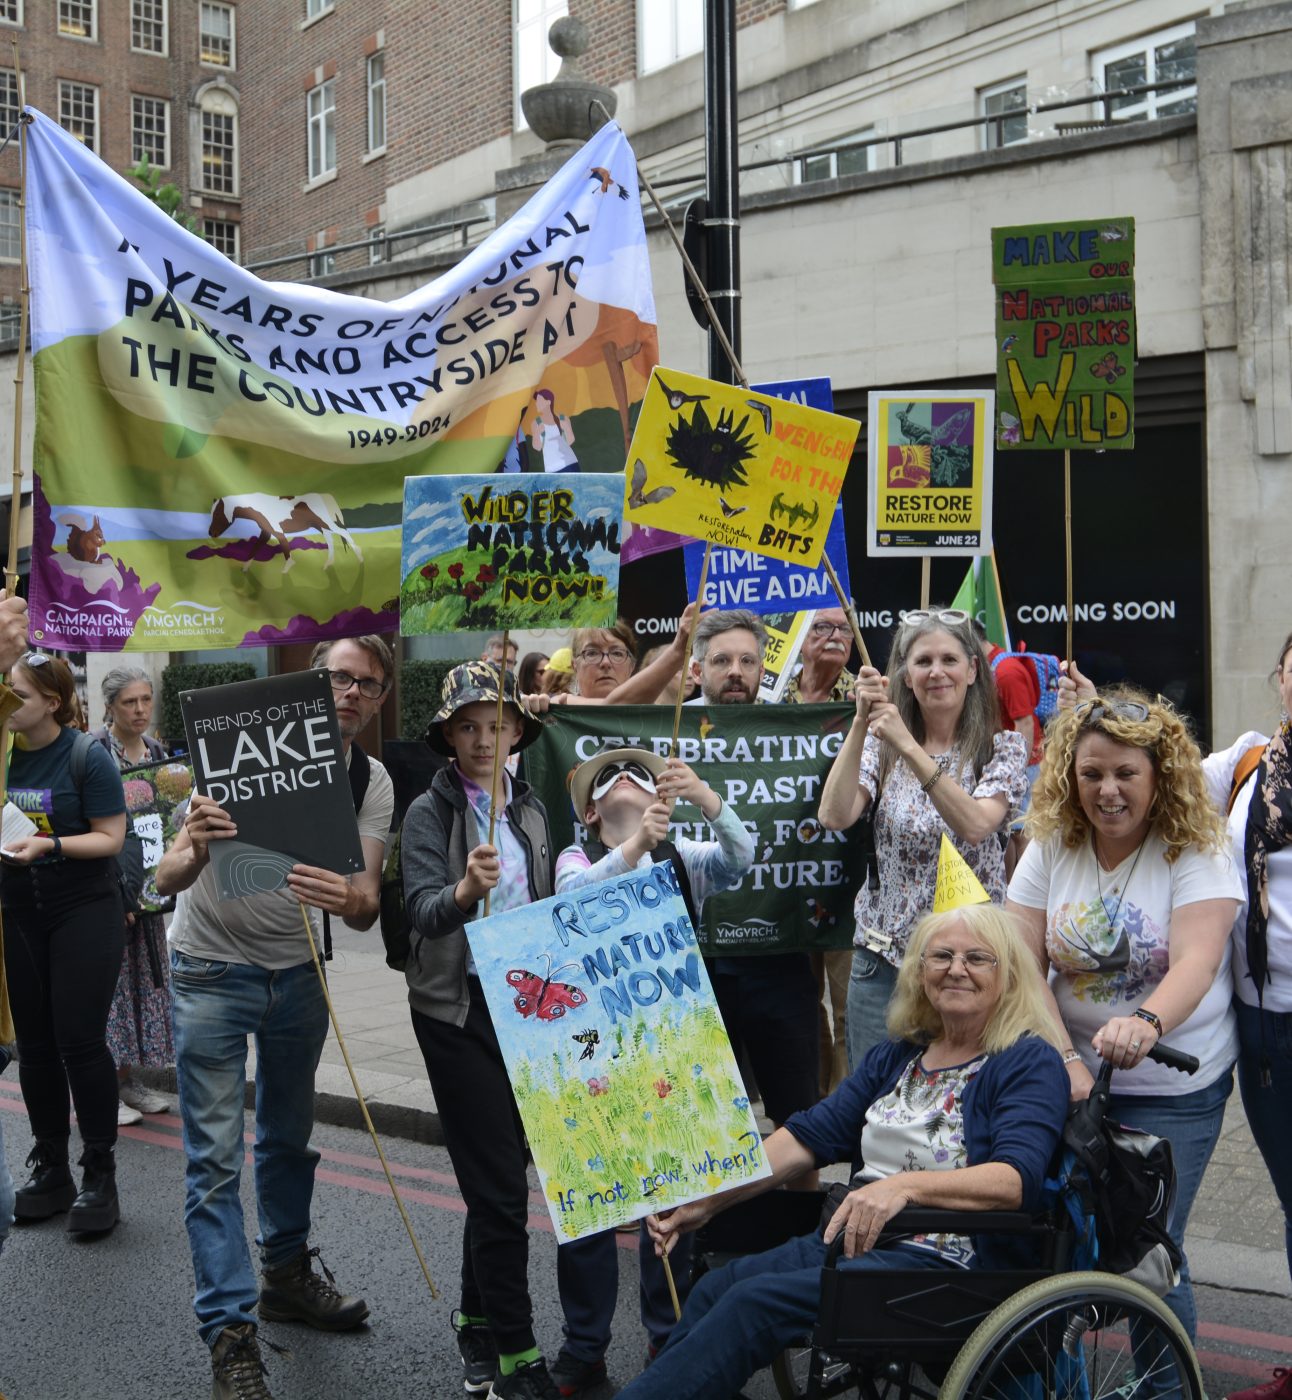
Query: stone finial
{"x":562,"y":112}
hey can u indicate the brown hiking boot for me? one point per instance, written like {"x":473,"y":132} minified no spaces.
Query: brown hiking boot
{"x":237,"y":1372}
{"x":295,"y":1293}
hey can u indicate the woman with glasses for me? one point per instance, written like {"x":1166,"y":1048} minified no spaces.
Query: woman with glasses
{"x":961,"y":1109}
{"x":64,"y":929}
{"x":139,"y":1023}
{"x":1127,"y":895}
{"x":926,"y":755}
{"x":604,"y":657}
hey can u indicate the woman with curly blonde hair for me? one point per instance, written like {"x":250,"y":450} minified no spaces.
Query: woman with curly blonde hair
{"x":1127,"y":895}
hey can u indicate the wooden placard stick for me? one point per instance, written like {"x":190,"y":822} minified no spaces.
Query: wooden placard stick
{"x":848,"y":612}
{"x":497,"y":749}
{"x":1067,"y":545}
{"x":926,"y":572}
{"x":686,"y":653}
{"x":672,"y":1287}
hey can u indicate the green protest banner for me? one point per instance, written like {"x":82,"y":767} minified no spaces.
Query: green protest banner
{"x":769,"y":762}
{"x":1065,"y":334}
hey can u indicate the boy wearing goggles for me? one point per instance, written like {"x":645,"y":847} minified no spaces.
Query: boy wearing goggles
{"x":625,"y":799}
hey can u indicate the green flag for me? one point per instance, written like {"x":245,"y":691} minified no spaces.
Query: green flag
{"x":979,"y":596}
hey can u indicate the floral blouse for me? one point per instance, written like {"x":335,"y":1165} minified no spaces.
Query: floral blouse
{"x":908,"y":837}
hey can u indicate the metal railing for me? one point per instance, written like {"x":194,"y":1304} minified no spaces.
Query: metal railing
{"x":385,"y":242}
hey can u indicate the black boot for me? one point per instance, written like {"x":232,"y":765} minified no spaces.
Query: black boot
{"x":96,"y":1209}
{"x":51,"y":1188}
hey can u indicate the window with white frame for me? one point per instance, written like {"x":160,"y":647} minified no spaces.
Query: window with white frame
{"x":668,"y":30}
{"x":320,"y":103}
{"x":533,"y":58}
{"x":376,"y":102}
{"x":217,"y":36}
{"x":222,"y":235}
{"x":148,"y":26}
{"x":10,"y":325}
{"x":847,"y":157}
{"x":322,"y":263}
{"x":10,"y":232}
{"x":10,"y":11}
{"x":1006,"y":101}
{"x":219,"y":119}
{"x":314,"y":8}
{"x":150,"y":130}
{"x":378,"y":252}
{"x":1156,"y":58}
{"x":10,"y":106}
{"x":78,"y":111}
{"x":78,"y":19}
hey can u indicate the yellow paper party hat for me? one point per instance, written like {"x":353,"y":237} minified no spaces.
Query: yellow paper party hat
{"x":957,"y":884}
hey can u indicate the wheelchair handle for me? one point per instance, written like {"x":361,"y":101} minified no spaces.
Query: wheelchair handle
{"x":1175,"y":1059}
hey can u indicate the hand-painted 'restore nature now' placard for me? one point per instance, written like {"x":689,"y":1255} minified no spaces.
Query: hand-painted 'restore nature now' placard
{"x":480,"y":555}
{"x":1065,"y":334}
{"x":742,"y":578}
{"x":156,"y":799}
{"x":621,"y":1066}
{"x":721,"y":463}
{"x":269,"y":752}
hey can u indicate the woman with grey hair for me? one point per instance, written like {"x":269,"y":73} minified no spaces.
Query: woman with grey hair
{"x":139,"y":1026}
{"x":926,"y":753}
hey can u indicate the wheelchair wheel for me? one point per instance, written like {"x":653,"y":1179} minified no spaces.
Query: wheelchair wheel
{"x":1070,"y":1337}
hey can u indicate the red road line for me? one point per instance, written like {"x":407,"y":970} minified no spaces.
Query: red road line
{"x":1242,"y":1336}
{"x":1235,"y":1365}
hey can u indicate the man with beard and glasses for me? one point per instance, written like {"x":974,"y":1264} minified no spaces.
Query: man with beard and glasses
{"x":241,"y":968}
{"x":823,"y":676}
{"x":768,"y":1000}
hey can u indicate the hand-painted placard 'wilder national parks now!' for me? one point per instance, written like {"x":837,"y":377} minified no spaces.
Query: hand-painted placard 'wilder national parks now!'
{"x":220,"y":461}
{"x":483,"y":553}
{"x":616,"y":1052}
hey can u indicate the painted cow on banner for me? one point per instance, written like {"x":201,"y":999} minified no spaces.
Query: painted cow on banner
{"x":276,"y":517}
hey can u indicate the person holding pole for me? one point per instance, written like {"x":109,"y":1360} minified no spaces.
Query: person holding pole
{"x":477,"y":841}
{"x":243,"y":967}
{"x":624,"y":798}
{"x":926,"y":752}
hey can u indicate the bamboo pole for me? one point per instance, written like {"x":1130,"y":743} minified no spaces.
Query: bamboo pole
{"x":1067,"y":545}
{"x":20,"y":364}
{"x":686,"y":652}
{"x":497,"y":750}
{"x":846,"y":605}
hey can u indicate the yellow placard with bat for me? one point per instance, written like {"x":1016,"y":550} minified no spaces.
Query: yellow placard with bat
{"x":742,"y":469}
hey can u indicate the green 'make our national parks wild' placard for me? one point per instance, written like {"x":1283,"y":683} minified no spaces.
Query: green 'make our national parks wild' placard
{"x":1065,"y":334}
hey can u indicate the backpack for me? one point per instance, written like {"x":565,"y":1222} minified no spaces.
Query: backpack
{"x":596,"y":850}
{"x":129,"y":860}
{"x":396,"y":931}
{"x":1047,"y":679}
{"x":1124,"y":1182}
{"x":1243,"y":769}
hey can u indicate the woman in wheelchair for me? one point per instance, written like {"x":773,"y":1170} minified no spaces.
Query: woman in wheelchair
{"x":962,"y":1109}
{"x":1127,"y":896}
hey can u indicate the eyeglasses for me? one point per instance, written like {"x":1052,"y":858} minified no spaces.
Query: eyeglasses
{"x":593,"y":656}
{"x":612,"y":772}
{"x":369,"y":687}
{"x":828,"y":629}
{"x":953,"y":617}
{"x":1097,"y":709}
{"x":943,"y":960}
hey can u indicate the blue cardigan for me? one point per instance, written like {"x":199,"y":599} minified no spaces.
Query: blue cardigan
{"x":1014,"y":1111}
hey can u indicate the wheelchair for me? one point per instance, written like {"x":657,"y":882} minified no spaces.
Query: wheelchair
{"x":1053,"y":1330}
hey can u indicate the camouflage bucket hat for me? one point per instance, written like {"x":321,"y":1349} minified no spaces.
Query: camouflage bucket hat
{"x":471,"y":682}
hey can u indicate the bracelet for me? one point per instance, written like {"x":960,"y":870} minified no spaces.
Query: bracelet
{"x":57,"y":852}
{"x":1070,"y":1055}
{"x":938,"y":771}
{"x":1151,"y":1017}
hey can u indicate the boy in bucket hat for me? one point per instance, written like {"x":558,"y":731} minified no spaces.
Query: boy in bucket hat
{"x":625,"y":797}
{"x":448,"y":867}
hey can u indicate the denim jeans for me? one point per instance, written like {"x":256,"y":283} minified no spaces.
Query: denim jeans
{"x":1191,"y":1124}
{"x":740,"y":1317}
{"x":870,"y":986}
{"x":1269,"y":1109}
{"x":6,"y":1194}
{"x":216,"y":1007}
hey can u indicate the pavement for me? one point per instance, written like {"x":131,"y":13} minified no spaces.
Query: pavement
{"x":1235,"y":1238}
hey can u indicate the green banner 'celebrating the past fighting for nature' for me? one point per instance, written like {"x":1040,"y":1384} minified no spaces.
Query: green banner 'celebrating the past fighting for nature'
{"x":1065,"y":334}
{"x":769,"y":762}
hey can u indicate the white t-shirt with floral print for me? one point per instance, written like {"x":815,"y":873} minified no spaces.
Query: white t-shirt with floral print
{"x":909,"y":831}
{"x":919,"y":1127}
{"x":1107,"y":958}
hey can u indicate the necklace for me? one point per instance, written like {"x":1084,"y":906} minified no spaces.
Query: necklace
{"x":1118,"y":890}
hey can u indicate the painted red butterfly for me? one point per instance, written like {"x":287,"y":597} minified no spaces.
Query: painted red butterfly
{"x":540,"y":996}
